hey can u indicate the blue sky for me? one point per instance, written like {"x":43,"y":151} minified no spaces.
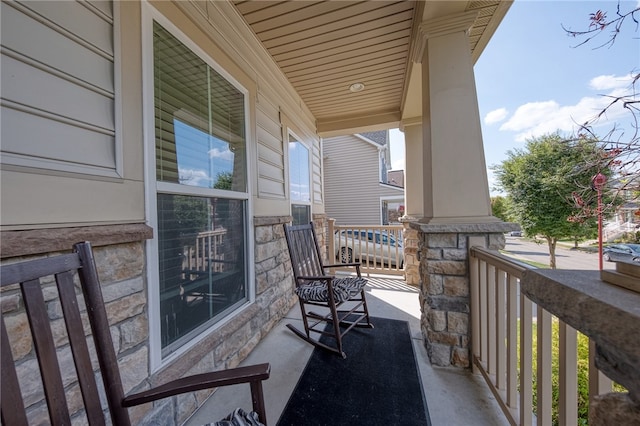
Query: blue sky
{"x":532,"y":80}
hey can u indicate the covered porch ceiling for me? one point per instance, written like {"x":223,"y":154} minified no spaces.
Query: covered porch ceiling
{"x":324,"y":47}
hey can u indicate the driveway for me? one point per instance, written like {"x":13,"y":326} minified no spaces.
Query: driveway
{"x":521,"y":248}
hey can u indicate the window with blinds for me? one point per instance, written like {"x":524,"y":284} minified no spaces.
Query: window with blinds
{"x":299,"y":182}
{"x":202,"y":237}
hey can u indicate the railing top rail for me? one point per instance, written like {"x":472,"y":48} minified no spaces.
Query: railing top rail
{"x":505,"y":263}
{"x":368,"y":227}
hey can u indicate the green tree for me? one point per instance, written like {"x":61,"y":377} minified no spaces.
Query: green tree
{"x":541,"y":181}
{"x":224,"y":180}
{"x":500,"y":208}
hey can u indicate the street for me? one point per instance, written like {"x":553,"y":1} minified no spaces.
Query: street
{"x":522,"y":248}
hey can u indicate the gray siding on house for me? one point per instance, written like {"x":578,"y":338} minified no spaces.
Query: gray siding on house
{"x":316,"y":174}
{"x":58,"y":88}
{"x":271,"y":178}
{"x":352,"y":188}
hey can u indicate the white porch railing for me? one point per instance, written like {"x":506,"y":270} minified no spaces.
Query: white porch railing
{"x":205,"y":255}
{"x":378,"y":248}
{"x":503,"y":321}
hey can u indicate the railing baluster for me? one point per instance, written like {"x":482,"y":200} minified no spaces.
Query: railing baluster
{"x":568,"y":376}
{"x":491,"y":318}
{"x":474,"y":271}
{"x":526,"y":361}
{"x":483,"y":312}
{"x":543,"y":373}
{"x":512,"y":342}
{"x":501,"y":348}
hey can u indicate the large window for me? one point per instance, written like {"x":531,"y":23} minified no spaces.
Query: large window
{"x":201,"y":197}
{"x":300,"y":182}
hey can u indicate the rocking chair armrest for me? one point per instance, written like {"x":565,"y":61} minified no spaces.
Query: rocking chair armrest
{"x":253,"y":374}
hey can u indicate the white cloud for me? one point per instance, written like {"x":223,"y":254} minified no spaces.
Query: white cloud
{"x":610,"y":82}
{"x":538,"y":118}
{"x":496,"y":116}
{"x":225,"y":154}
{"x":195,"y":177}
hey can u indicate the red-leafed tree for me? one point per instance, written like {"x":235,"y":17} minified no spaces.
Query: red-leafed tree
{"x":620,"y":145}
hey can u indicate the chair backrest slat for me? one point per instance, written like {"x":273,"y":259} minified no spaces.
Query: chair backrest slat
{"x":101,"y":335}
{"x":12,"y":411}
{"x":304,"y":251}
{"x":79,"y":348}
{"x":46,"y":351}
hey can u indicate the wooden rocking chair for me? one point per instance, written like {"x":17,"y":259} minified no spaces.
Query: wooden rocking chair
{"x":315,"y":287}
{"x":63,"y":268}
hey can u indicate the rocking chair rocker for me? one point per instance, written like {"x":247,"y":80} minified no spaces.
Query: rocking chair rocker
{"x":315,"y":287}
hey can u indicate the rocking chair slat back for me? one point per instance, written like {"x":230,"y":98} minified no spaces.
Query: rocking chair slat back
{"x":306,"y":258}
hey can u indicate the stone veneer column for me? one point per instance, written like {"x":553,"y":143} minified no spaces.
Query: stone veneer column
{"x":445,"y":285}
{"x":320,"y":225}
{"x":410,"y":240}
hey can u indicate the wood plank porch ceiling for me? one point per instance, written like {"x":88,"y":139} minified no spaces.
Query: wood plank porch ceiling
{"x":325,"y":46}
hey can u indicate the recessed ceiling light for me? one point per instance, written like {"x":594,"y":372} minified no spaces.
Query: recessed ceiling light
{"x":356,"y":87}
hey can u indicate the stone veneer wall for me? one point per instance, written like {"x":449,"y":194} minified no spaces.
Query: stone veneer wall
{"x":445,"y":284}
{"x":122,"y":270}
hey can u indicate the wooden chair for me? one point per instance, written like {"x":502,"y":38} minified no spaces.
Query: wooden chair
{"x":63,"y":268}
{"x":315,"y":287}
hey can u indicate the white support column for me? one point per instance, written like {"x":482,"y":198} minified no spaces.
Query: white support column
{"x":414,"y":171}
{"x":455,"y":177}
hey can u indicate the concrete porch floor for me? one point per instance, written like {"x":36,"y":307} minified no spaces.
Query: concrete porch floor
{"x":454,"y":396}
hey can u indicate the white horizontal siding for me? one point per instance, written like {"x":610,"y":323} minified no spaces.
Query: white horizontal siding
{"x":316,"y":173}
{"x":87,"y":65}
{"x":58,"y":86}
{"x":352,"y":181}
{"x":271,"y":177}
{"x":43,"y":91}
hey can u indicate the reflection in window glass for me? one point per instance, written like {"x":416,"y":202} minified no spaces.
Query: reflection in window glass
{"x":203,"y":160}
{"x":299,"y":172}
{"x":201,"y":256}
{"x":299,"y":182}
{"x":200,"y":124}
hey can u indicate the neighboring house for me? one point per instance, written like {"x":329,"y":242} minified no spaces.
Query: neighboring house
{"x":626,"y":218}
{"x":356,"y":187}
{"x":179,"y":136}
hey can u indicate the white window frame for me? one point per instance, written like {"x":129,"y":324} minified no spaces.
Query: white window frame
{"x":152,"y":187}
{"x":389,"y":199}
